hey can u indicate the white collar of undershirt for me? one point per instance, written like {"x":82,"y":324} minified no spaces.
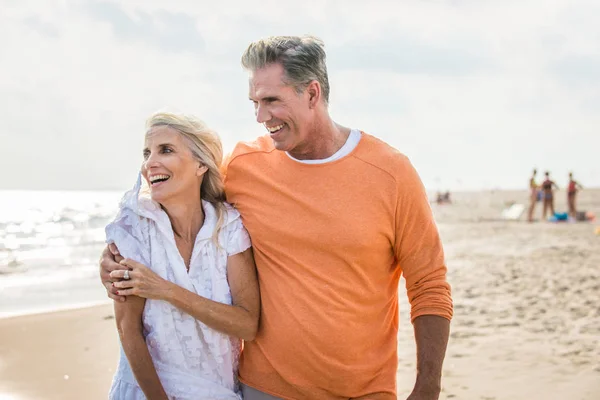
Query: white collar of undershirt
{"x":351,"y":143}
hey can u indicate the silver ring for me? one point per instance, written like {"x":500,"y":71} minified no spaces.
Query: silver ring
{"x":126,"y":274}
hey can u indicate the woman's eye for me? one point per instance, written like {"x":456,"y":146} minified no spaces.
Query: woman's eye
{"x":167,"y":150}
{"x":146,"y":155}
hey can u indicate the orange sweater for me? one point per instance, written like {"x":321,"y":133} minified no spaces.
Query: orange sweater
{"x":330,"y":243}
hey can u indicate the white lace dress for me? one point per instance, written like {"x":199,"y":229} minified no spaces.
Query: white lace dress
{"x":193,"y":361}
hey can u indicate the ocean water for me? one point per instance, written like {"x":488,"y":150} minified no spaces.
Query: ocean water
{"x":50,"y":243}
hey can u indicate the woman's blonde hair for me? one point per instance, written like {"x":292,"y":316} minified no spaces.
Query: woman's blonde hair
{"x":205,"y":145}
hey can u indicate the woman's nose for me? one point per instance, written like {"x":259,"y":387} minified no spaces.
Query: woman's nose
{"x":151,"y":161}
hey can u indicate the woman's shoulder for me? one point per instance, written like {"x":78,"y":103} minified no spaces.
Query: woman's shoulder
{"x":231,"y":215}
{"x":235,"y":236}
{"x":126,"y":217}
{"x":225,"y":212}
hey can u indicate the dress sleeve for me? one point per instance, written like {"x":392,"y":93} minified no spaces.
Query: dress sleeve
{"x":238,"y":239}
{"x":126,"y":232}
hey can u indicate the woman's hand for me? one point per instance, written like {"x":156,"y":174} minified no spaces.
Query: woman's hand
{"x":142,"y":282}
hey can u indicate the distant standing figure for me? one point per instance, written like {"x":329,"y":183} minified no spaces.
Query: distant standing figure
{"x":447,"y":197}
{"x":547,"y":187}
{"x":439,"y":198}
{"x":533,"y":190}
{"x":574,"y":186}
{"x":443,"y":198}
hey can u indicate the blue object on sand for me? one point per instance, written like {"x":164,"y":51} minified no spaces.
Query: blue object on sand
{"x":561,"y":216}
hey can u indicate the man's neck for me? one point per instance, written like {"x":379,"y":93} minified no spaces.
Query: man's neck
{"x":328,"y":137}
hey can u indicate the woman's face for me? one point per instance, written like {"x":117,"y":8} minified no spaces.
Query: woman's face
{"x":169,"y":167}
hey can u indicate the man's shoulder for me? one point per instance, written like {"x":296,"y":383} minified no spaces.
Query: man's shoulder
{"x":392,"y":161}
{"x":382,"y":155}
{"x":260,"y":145}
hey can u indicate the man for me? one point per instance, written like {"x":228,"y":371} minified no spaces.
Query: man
{"x":336,"y":217}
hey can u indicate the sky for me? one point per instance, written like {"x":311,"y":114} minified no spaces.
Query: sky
{"x":476,"y":93}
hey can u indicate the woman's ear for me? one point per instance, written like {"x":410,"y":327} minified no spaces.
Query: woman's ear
{"x":201,"y":170}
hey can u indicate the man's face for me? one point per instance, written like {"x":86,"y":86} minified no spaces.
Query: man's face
{"x":284,"y":112}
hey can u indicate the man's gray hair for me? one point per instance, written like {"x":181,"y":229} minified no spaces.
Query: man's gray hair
{"x":302,"y":58}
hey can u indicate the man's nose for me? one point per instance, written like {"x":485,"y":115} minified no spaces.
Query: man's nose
{"x":262,"y":114}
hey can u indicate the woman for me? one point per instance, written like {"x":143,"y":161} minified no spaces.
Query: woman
{"x":181,"y":325}
{"x":574,"y":186}
{"x":533,"y":193}
{"x":548,"y":195}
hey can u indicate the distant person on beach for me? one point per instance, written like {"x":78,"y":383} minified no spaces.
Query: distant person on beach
{"x":572,"y":189}
{"x":190,"y":276}
{"x":336,"y":217}
{"x":447,"y":198}
{"x":443,"y":198}
{"x":533,"y":195}
{"x":548,"y":187}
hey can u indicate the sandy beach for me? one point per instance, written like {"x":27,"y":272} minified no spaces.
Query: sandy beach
{"x":526,"y":325}
{"x":59,"y":355}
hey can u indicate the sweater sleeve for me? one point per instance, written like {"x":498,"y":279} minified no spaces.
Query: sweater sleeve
{"x":418,"y":248}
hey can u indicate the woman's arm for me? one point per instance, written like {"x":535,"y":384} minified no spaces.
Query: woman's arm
{"x":129,"y":324}
{"x":239,"y":319}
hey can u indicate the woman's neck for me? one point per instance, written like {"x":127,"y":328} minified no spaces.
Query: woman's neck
{"x":186,"y":218}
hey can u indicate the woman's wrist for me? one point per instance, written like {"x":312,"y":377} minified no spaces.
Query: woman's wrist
{"x":169,"y":292}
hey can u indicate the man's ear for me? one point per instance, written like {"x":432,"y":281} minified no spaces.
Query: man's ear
{"x":314,"y":93}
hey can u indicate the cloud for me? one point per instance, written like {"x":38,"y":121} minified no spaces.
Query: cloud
{"x":578,"y":70}
{"x":403,"y":56}
{"x":480,"y":91}
{"x":171,"y":32}
{"x":43,"y":28}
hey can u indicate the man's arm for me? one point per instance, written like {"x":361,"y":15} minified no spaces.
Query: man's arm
{"x":431,"y":335}
{"x":109,"y":261}
{"x":420,"y":255}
